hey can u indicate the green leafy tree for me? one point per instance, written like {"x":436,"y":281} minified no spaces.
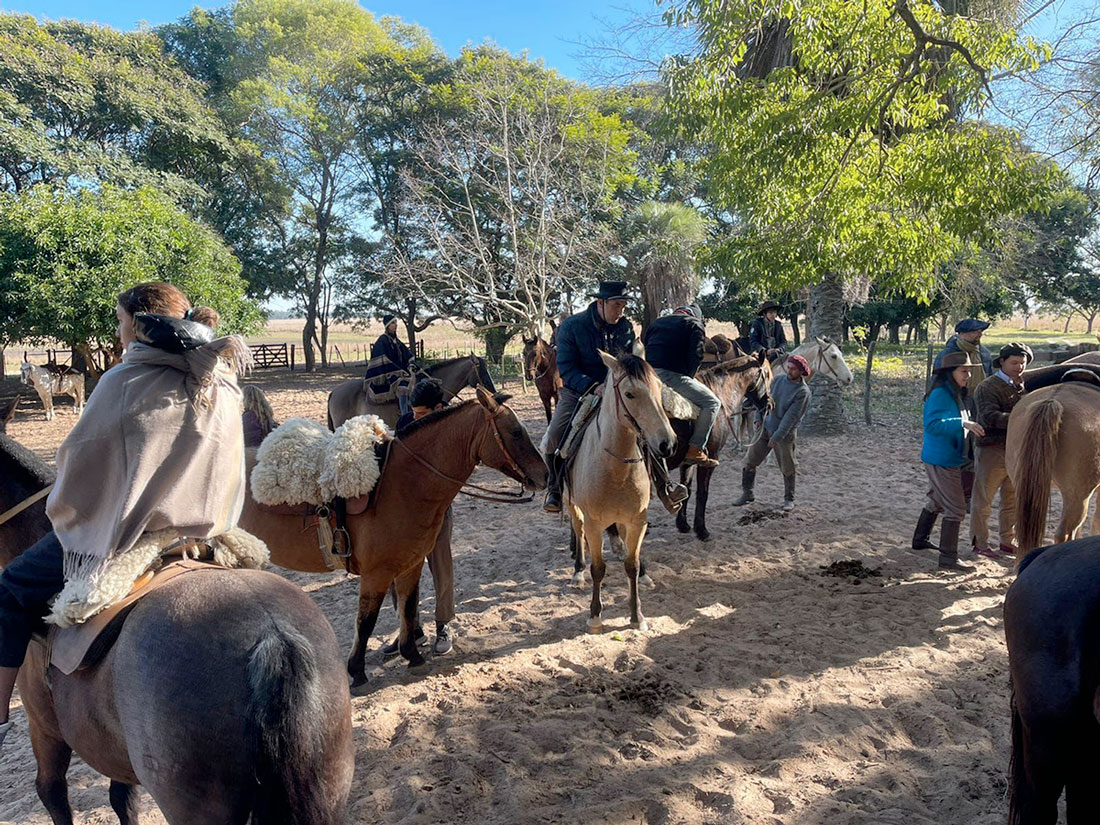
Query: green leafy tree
{"x":65,"y":257}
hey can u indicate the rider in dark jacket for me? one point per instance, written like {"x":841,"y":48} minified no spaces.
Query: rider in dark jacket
{"x":766,"y":332}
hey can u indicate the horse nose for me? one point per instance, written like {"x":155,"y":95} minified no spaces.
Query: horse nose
{"x":664,"y":449}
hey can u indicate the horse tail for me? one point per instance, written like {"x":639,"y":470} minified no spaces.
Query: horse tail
{"x":286,"y":712}
{"x":1035,"y":471}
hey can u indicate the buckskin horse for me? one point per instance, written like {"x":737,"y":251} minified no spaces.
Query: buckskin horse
{"x":608,"y":482}
{"x":1052,"y":627}
{"x":223,"y":694}
{"x":350,"y":397}
{"x":540,"y":362}
{"x":393,"y":532}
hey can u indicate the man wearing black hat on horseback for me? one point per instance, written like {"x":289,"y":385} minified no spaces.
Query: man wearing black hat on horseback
{"x":391,"y":365}
{"x":766,"y":332}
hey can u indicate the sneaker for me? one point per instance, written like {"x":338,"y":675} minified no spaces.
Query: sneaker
{"x":442,"y":644}
{"x":394,"y":647}
{"x":4,"y":728}
{"x":1008,"y":551}
{"x":956,"y":566}
{"x":788,"y":505}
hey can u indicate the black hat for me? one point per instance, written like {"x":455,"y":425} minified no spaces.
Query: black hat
{"x":1013,"y":348}
{"x":388,"y":319}
{"x":611,"y":291}
{"x":971,"y":325}
{"x":956,"y":359}
{"x":764,"y":307}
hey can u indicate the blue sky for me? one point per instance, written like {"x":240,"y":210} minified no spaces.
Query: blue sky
{"x":546,"y":30}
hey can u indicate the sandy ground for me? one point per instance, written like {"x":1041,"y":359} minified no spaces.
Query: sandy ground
{"x":763,"y":692}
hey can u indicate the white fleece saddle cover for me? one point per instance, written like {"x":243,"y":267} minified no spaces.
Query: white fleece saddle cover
{"x":301,"y":462}
{"x":676,"y":406}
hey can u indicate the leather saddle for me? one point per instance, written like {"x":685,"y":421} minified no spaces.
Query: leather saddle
{"x":83,"y":645}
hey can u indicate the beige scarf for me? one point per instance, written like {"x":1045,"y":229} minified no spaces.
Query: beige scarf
{"x":977,"y":374}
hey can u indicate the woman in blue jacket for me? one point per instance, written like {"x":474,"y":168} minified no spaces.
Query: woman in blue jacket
{"x":946,"y":422}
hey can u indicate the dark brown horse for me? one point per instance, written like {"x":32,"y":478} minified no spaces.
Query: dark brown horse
{"x":390,"y":539}
{"x":540,"y":362}
{"x":1052,"y":626}
{"x":223,"y":695}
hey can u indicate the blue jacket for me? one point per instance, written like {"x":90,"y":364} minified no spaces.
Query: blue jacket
{"x":944,"y":436}
{"x":952,"y":345}
{"x":579,"y":338}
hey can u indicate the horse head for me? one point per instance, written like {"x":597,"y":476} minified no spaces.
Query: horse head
{"x":830,"y":361}
{"x":510,"y":449}
{"x":532,"y":357}
{"x":479,"y":376}
{"x":634,"y":391}
{"x":25,"y":373}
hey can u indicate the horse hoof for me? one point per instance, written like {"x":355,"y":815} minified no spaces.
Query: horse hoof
{"x":578,"y":579}
{"x":646,"y":581}
{"x":595,"y":626}
{"x":643,"y":625}
{"x":420,"y":668}
{"x":683,"y":527}
{"x":359,"y":684}
{"x":703,"y":535}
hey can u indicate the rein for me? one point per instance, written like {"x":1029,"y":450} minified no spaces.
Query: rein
{"x":820,"y":361}
{"x":11,"y":513}
{"x":493,"y":495}
{"x":620,"y":404}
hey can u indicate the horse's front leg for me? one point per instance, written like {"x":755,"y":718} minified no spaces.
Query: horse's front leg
{"x":407,"y":586}
{"x":370,"y":602}
{"x":593,"y":538}
{"x":702,"y":493}
{"x":634,"y":533}
{"x":576,"y":548}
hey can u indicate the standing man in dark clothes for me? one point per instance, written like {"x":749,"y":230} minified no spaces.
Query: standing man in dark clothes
{"x":994,"y":400}
{"x":602,"y":326}
{"x":674,"y":347}
{"x":766,"y":332}
{"x":968,"y":338}
{"x":426,"y":398}
{"x":391,"y":364}
{"x":792,"y":399}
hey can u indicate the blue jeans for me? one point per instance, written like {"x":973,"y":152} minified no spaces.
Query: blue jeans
{"x":26,"y":587}
{"x":701,"y":397}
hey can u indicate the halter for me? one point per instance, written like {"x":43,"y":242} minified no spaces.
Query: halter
{"x":543,"y":358}
{"x":821,"y":360}
{"x":494,"y":495}
{"x":639,"y":434}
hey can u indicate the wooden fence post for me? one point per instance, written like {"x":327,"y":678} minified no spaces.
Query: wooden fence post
{"x":867,"y":383}
{"x":292,"y":348}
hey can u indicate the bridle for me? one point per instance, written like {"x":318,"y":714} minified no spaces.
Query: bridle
{"x":756,"y":394}
{"x":821,"y":361}
{"x":465,"y":487}
{"x":638,"y":432}
{"x":542,"y":356}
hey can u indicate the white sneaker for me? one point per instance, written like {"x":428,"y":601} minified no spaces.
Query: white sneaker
{"x":4,"y":728}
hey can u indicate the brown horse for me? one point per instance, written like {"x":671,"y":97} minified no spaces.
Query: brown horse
{"x":223,"y":695}
{"x":350,"y":397}
{"x":540,"y":362}
{"x":1054,"y":437}
{"x":427,"y":467}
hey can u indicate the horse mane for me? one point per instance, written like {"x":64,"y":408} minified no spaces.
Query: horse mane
{"x":24,"y":459}
{"x":636,"y":367}
{"x":438,"y":415}
{"x":450,"y":361}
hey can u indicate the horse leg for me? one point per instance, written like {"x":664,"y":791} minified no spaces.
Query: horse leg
{"x":634,"y":535}
{"x":1074,"y":507}
{"x":1082,"y":791}
{"x":546,"y":405}
{"x":702,"y":493}
{"x":53,"y":757}
{"x":686,"y":478}
{"x":576,"y":547}
{"x":126,"y":803}
{"x":369,"y":605}
{"x":408,"y":597}
{"x":614,"y":541}
{"x":593,"y":537}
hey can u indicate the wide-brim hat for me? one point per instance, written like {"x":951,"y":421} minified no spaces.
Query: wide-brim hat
{"x":764,"y":307}
{"x":611,"y":291}
{"x":954,"y":360}
{"x":1013,"y":348}
{"x":388,"y":319}
{"x":971,"y":325}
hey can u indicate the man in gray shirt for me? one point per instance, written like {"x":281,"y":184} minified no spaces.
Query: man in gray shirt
{"x":792,"y":399}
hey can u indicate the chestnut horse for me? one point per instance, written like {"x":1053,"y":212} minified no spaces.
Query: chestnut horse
{"x":540,"y":362}
{"x":427,"y":467}
{"x":223,"y":694}
{"x":1054,"y":438}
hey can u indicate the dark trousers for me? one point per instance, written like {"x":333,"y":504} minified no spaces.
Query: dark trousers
{"x":27,"y":586}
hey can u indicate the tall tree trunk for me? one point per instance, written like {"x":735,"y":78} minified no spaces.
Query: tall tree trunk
{"x":826,"y":312}
{"x":943,"y":327}
{"x":893,"y":332}
{"x":409,"y":320}
{"x":1091,"y":320}
{"x":496,"y":339}
{"x":1065,"y":330}
{"x":796,"y":333}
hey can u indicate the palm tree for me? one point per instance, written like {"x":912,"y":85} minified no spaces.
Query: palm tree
{"x":660,"y":241}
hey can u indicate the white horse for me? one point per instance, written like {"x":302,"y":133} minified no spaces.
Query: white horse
{"x":825,"y":357}
{"x":48,"y":384}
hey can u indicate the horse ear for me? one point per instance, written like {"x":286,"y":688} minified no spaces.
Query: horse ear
{"x":486,"y":399}
{"x":638,"y":348}
{"x":610,"y":361}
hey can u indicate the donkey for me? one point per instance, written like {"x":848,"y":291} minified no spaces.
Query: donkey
{"x":390,"y":539}
{"x":540,"y":361}
{"x":237,"y":664}
{"x":350,"y":397}
{"x":608,"y":483}
{"x":48,"y":384}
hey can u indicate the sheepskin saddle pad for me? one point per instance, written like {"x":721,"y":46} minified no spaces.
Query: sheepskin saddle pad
{"x":301,"y":462}
{"x":676,"y":406}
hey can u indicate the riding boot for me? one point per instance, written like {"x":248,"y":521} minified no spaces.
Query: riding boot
{"x":788,"y":493}
{"x":748,"y":479}
{"x":949,"y":547}
{"x":921,"y":536}
{"x":556,"y":465}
